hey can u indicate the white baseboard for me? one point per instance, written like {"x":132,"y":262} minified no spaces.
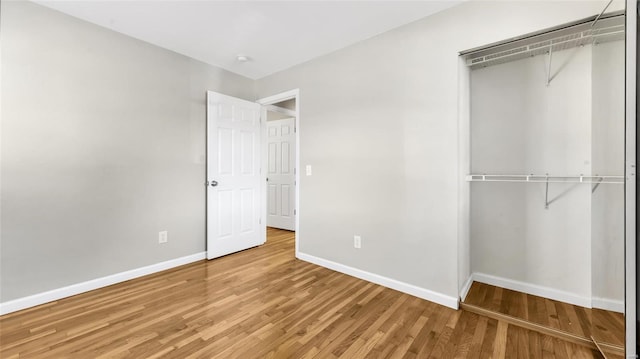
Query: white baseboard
{"x":59,"y":293}
{"x":466,"y":287}
{"x":419,"y":292}
{"x":608,"y":304}
{"x":533,"y":289}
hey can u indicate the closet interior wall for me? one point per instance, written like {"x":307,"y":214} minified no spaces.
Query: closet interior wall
{"x":607,"y":201}
{"x":573,"y":250}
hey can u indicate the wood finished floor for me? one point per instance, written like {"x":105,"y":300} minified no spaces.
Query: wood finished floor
{"x":604,"y":326}
{"x":263,"y":303}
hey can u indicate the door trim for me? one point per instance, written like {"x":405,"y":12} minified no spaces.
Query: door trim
{"x":630,"y":180}
{"x":266,"y":102}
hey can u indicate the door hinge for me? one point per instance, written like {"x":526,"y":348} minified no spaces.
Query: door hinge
{"x":259,"y":220}
{"x":295,"y":212}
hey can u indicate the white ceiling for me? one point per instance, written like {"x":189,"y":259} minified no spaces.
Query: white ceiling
{"x":275,"y":35}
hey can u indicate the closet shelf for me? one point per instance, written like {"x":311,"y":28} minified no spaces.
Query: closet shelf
{"x":593,"y":30}
{"x":545,"y":178}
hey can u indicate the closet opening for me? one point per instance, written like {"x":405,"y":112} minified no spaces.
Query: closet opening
{"x":546,"y":181}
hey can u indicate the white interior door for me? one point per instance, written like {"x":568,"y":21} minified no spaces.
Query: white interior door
{"x":233,"y":175}
{"x":281,"y":151}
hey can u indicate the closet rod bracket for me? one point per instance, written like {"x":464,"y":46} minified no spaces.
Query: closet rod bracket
{"x":549,"y":67}
{"x":602,"y":13}
{"x":595,"y":186}
{"x":546,"y":193}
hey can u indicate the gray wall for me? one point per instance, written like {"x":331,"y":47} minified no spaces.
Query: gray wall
{"x":273,"y":116}
{"x":289,"y":104}
{"x":103,"y":145}
{"x":379,"y":125}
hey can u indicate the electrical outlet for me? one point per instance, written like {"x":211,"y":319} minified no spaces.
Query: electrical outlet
{"x":308,"y":170}
{"x":357,"y":242}
{"x":163,"y":237}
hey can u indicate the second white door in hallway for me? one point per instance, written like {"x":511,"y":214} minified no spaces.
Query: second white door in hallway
{"x":281,"y":151}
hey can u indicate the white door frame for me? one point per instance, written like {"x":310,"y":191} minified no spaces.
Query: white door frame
{"x":630,"y":179}
{"x":265,"y":102}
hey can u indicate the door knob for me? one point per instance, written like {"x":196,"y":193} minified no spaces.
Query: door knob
{"x":214,"y":183}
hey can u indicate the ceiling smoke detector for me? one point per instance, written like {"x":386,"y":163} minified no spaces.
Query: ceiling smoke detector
{"x":242,"y":58}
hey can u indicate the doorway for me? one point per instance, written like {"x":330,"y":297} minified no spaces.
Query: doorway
{"x":280,"y":168}
{"x":237,"y":160}
{"x":280,"y":161}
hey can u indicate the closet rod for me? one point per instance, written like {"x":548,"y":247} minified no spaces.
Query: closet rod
{"x":545,"y":178}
